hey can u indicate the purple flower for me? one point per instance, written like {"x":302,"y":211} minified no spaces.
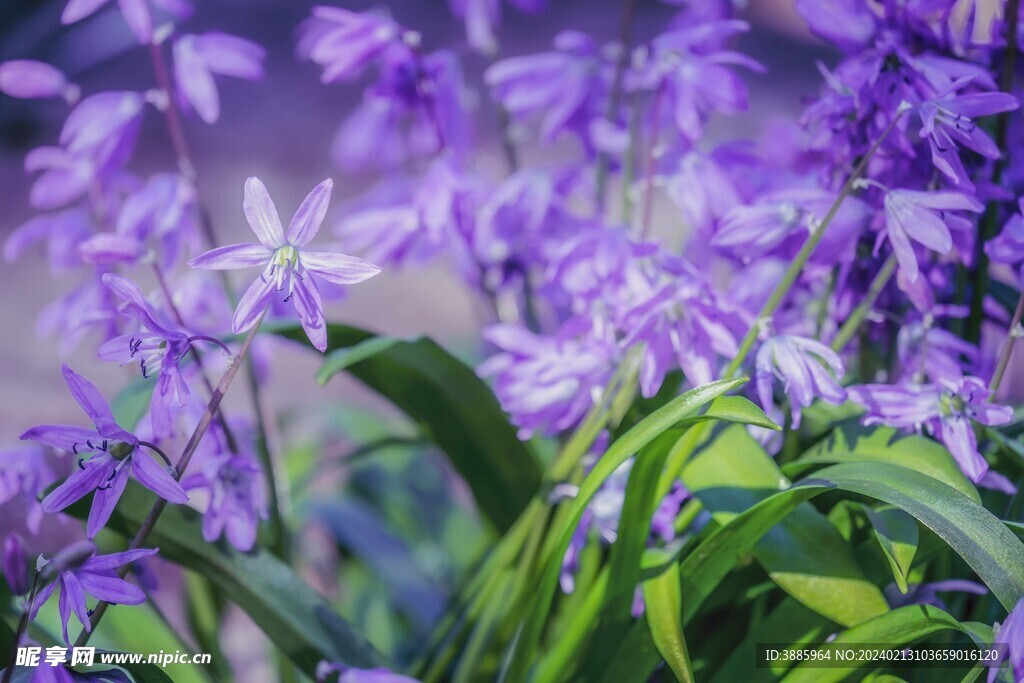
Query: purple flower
{"x":946,"y":409}
{"x":850,"y":24}
{"x":802,"y":365}
{"x":547,"y":383}
{"x":286,"y":263}
{"x":483,"y":16}
{"x":29,"y":79}
{"x":948,"y":121}
{"x":157,"y":347}
{"x":1011,"y":634}
{"x":198,"y":57}
{"x":63,"y":232}
{"x":1008,"y":246}
{"x":927,"y":593}
{"x":344,"y":42}
{"x":913,"y":215}
{"x":236,"y":502}
{"x":24,"y":472}
{"x":564,"y":88}
{"x":136,"y":14}
{"x":81,"y":572}
{"x":15,"y":564}
{"x":933,"y":352}
{"x":112,"y":453}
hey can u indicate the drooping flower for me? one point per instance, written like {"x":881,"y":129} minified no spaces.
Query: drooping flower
{"x":15,"y":564}
{"x":850,"y":24}
{"x":948,"y":121}
{"x":29,"y":79}
{"x":927,"y":593}
{"x":24,"y":472}
{"x":80,"y":572}
{"x":547,"y":383}
{"x":945,"y":409}
{"x":111,"y":451}
{"x":919,"y":216}
{"x":197,"y":58}
{"x":62,"y":231}
{"x":136,"y":14}
{"x":236,"y":505}
{"x":344,"y":42}
{"x":158,"y":347}
{"x":287,"y":264}
{"x":802,"y":365}
{"x":1008,"y":246}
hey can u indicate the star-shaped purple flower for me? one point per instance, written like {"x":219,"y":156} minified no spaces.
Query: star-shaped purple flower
{"x":286,"y":263}
{"x":105,"y":453}
{"x":921,"y":216}
{"x":802,"y":364}
{"x":80,"y":572}
{"x":236,"y":503}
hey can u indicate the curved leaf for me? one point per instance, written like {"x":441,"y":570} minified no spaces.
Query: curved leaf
{"x":452,"y":406}
{"x":896,"y":532}
{"x":663,"y":600}
{"x":630,"y":443}
{"x":293,"y":615}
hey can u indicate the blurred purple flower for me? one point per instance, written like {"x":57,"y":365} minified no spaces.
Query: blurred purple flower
{"x":945,"y":409}
{"x":547,"y":383}
{"x":113,"y":451}
{"x":850,"y":24}
{"x":344,"y":42}
{"x":948,"y":121}
{"x":235,"y":485}
{"x":158,"y":348}
{"x":89,"y":574}
{"x":919,"y":216}
{"x":927,"y":593}
{"x":1011,"y":634}
{"x":24,"y":472}
{"x":933,"y":352}
{"x":136,"y":14}
{"x":1008,"y":246}
{"x":703,"y":190}
{"x":286,"y":262}
{"x":198,"y":57}
{"x":564,"y":88}
{"x":16,"y":570}
{"x":482,"y":17}
{"x":802,"y":365}
{"x":62,"y":231}
{"x":29,"y":79}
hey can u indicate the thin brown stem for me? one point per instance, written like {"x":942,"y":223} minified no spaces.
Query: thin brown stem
{"x":186,"y":456}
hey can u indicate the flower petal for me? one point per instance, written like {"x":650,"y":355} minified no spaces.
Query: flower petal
{"x":338,"y":268}
{"x":307,"y":220}
{"x":77,"y":10}
{"x":115,"y":560}
{"x":140,"y":21}
{"x":104,"y":502}
{"x":111,"y":589}
{"x":76,"y":598}
{"x":262,"y":214}
{"x":252,"y":305}
{"x":310,"y":309}
{"x":64,"y":437}
{"x":81,"y":482}
{"x":95,"y":406}
{"x":157,"y":479}
{"x":195,"y":82}
{"x":233,"y":256}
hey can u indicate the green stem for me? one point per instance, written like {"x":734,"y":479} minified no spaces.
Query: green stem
{"x":626,"y":26}
{"x":797,"y":266}
{"x":853,"y":323}
{"x":1015,"y":332}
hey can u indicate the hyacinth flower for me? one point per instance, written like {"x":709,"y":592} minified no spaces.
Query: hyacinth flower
{"x":136,"y":14}
{"x":344,"y":42}
{"x":15,"y":564}
{"x":106,"y":454}
{"x":197,"y":58}
{"x":948,"y":122}
{"x":945,"y":408}
{"x":158,"y":348}
{"x":80,"y":572}
{"x":803,"y":366}
{"x":919,"y":216}
{"x":1008,"y":246}
{"x":31,"y":80}
{"x":288,"y":268}
{"x":1011,"y":634}
{"x":928,"y":593}
{"x":235,"y":485}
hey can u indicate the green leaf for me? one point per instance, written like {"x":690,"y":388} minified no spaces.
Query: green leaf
{"x":524,"y":647}
{"x":663,"y":608}
{"x":738,"y":410}
{"x":344,"y":358}
{"x":294,"y":616}
{"x":805,"y":554}
{"x":853,"y":442}
{"x":901,"y":626}
{"x":896,"y":532}
{"x":989,"y":547}
{"x":452,"y":407}
{"x":146,"y":673}
{"x":132,"y":402}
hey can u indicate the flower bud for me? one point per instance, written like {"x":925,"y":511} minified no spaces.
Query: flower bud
{"x":15,"y":564}
{"x":29,"y":79}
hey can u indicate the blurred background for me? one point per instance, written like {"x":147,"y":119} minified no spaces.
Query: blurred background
{"x":280,"y":130}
